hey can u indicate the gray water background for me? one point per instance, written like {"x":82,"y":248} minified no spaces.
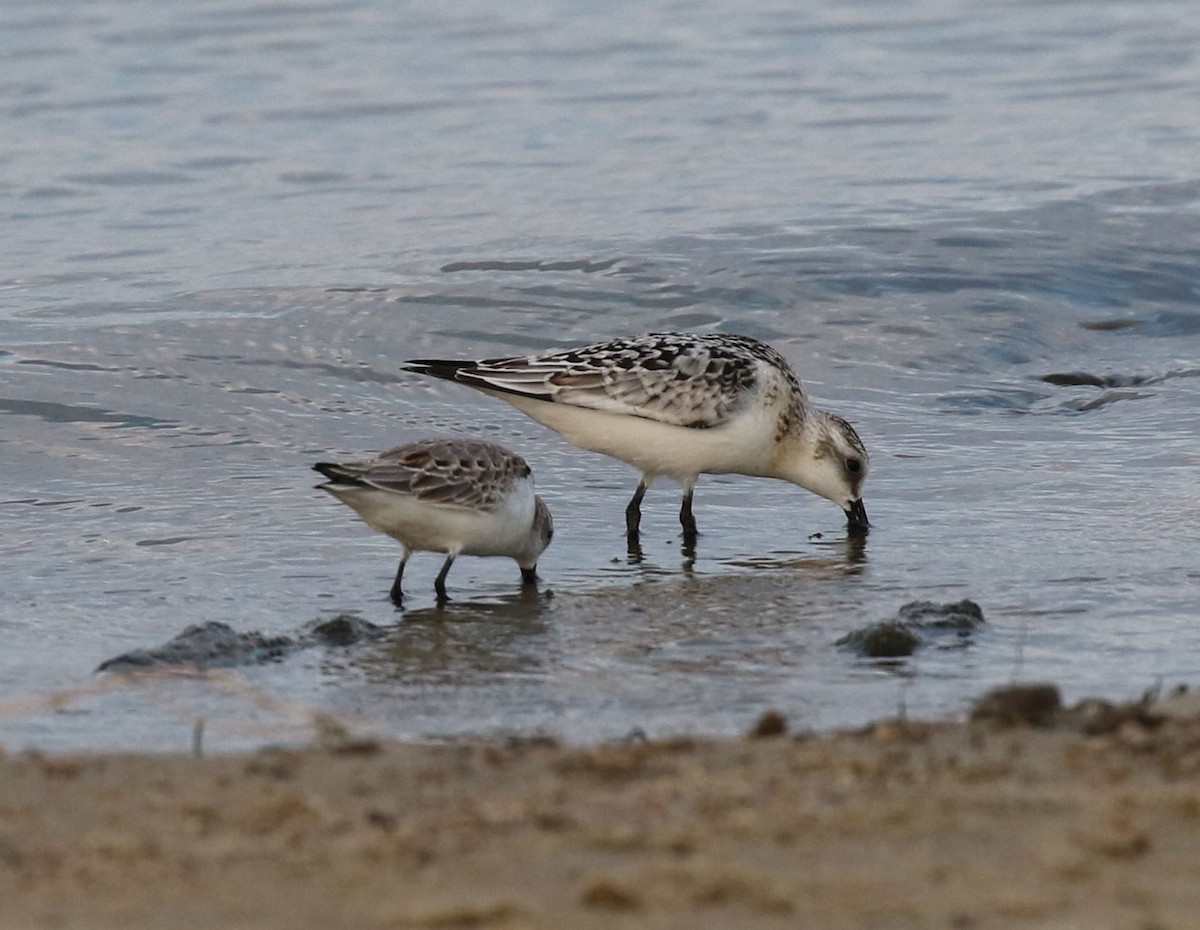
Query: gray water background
{"x":224,"y":225}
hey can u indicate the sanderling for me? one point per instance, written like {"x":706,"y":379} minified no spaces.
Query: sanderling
{"x":458,"y":496}
{"x":679,"y":405}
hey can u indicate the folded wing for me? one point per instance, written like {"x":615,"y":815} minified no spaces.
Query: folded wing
{"x":476,"y":475}
{"x":690,"y":382}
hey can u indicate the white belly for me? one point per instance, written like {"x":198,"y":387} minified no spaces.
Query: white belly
{"x":432,"y":527}
{"x":744,"y":445}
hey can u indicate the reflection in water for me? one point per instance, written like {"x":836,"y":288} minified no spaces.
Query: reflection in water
{"x":848,"y":555}
{"x":463,"y":641}
{"x":687,"y":550}
{"x":851,"y":557}
{"x":647,"y":651}
{"x":854,"y":546}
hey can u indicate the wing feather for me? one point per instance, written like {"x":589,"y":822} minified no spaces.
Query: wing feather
{"x":689,"y":380}
{"x":452,"y":472}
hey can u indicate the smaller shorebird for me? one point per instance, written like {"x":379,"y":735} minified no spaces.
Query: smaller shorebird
{"x":458,"y":496}
{"x":680,"y":405}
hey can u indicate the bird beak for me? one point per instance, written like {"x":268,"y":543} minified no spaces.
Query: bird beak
{"x":856,"y":517}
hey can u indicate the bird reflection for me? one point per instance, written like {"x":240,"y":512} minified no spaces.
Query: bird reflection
{"x":458,"y":641}
{"x":852,"y":549}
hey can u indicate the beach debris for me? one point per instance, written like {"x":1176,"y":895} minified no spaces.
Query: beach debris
{"x":1016,"y":705}
{"x":1041,"y":705}
{"x":771,"y":723}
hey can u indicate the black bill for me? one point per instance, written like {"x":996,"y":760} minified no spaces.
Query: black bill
{"x":856,"y":516}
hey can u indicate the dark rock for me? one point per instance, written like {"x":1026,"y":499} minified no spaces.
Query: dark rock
{"x":1083,"y":378}
{"x":960,"y":615}
{"x":218,"y":645}
{"x":1073,"y":378}
{"x":342,"y":630}
{"x":917,"y":624}
{"x":205,"y":645}
{"x":888,"y":640}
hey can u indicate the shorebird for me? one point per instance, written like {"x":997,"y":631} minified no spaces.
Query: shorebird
{"x":680,"y":405}
{"x":458,"y":496}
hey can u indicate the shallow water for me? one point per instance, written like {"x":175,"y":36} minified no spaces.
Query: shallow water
{"x":973,"y":228}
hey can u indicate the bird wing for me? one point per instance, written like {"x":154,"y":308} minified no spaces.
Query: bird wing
{"x":690,"y":380}
{"x":457,"y":473}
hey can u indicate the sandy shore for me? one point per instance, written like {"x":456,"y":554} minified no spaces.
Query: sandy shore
{"x":1088,"y":818}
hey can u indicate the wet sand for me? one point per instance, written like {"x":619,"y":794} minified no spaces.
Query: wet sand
{"x":1034,"y":817}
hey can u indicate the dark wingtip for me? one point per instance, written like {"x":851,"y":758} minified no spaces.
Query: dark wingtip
{"x":447,"y":368}
{"x":337,"y":476}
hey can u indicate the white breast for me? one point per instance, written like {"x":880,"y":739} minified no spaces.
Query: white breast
{"x":436,"y":527}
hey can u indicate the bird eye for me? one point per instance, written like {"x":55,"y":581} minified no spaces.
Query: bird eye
{"x":854,"y":466}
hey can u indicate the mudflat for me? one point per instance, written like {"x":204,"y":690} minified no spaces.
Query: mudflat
{"x":1031,"y":815}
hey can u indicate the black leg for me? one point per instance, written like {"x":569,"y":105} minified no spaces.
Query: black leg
{"x":633,"y":513}
{"x":439,"y":583}
{"x":529,"y":577}
{"x":396,"y":594}
{"x":686,"y":518}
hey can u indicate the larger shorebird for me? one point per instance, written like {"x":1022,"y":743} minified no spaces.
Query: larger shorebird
{"x":680,"y":405}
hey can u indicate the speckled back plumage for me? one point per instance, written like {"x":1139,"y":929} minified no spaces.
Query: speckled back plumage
{"x":691,"y":380}
{"x":452,"y":472}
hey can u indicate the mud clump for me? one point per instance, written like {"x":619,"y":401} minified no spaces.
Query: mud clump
{"x":1035,"y":705}
{"x":219,"y":645}
{"x":917,"y":624}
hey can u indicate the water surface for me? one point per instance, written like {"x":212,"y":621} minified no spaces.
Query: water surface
{"x":972,"y":227}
